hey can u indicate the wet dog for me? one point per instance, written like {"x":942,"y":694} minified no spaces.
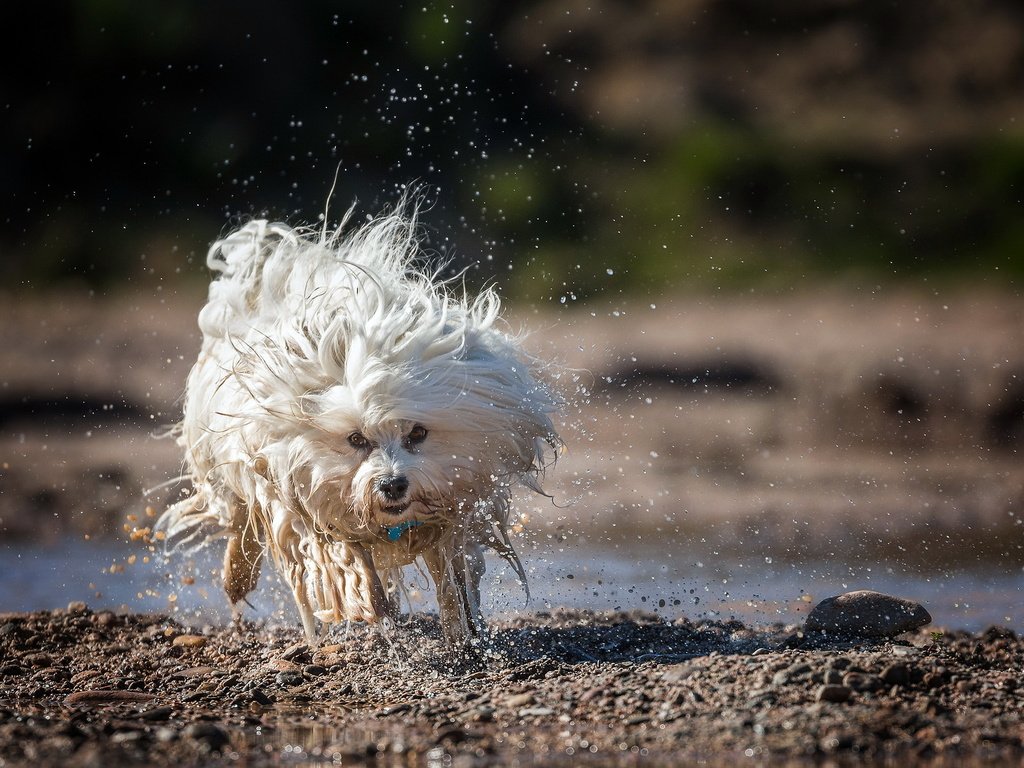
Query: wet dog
{"x":350,"y":414}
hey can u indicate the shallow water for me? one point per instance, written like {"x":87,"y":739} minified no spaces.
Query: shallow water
{"x":663,"y":579}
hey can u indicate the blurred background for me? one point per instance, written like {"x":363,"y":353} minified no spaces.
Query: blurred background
{"x":775,"y":248}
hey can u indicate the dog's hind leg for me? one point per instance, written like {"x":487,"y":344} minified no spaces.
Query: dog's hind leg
{"x":243,"y":555}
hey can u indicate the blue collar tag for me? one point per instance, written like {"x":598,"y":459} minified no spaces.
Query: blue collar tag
{"x":395,"y":531}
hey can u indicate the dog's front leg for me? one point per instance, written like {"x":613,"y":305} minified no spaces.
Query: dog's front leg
{"x":456,"y":571}
{"x":243,"y":554}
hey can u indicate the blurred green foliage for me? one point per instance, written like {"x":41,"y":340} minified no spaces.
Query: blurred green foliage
{"x":146,"y":130}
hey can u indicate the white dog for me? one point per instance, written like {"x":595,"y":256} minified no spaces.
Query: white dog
{"x":349,"y":414}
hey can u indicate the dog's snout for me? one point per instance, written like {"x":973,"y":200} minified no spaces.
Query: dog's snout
{"x":393,"y":488}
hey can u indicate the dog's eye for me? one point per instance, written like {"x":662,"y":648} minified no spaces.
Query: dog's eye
{"x":417,"y":434}
{"x":356,"y":440}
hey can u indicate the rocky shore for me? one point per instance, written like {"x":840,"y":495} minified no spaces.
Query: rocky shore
{"x":84,"y":688}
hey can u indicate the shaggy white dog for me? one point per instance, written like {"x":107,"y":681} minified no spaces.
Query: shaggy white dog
{"x":349,"y":414}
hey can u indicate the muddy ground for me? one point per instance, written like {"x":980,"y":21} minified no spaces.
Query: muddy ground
{"x":79,"y":688}
{"x":832,"y":426}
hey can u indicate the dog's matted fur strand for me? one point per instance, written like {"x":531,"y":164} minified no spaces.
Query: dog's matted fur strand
{"x":349,"y":414}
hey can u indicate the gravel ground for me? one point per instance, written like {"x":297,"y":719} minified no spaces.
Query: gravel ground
{"x":81,"y":688}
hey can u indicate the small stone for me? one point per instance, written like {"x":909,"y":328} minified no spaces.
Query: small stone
{"x":297,"y":652}
{"x":314,"y":670}
{"x":482,"y":714}
{"x":77,"y":606}
{"x":329,"y":649}
{"x":795,"y":671}
{"x":201,"y":671}
{"x":519,"y":700}
{"x":189,"y":641}
{"x":289,"y":679}
{"x":860,"y":681}
{"x":835,"y":694}
{"x":896,"y":674}
{"x":214,"y":737}
{"x":283,"y":665}
{"x":537,"y":712}
{"x":260,"y":697}
{"x":865,"y":613}
{"x":38,"y":660}
{"x":156,"y":714}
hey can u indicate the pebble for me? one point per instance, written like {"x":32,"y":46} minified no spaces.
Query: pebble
{"x":833,"y":693}
{"x":537,"y":712}
{"x":519,"y":700}
{"x":283,"y":665}
{"x":865,"y":613}
{"x":896,"y":674}
{"x":860,"y":681}
{"x":105,"y":618}
{"x":202,"y":671}
{"x":156,"y":714}
{"x":793,"y":672}
{"x":260,"y":697}
{"x":214,"y":737}
{"x":296,"y":652}
{"x":77,"y":606}
{"x":289,"y":679}
{"x":189,"y":641}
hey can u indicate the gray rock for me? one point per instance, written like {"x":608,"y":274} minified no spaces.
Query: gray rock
{"x":867,"y":614}
{"x":834,"y":693}
{"x":289,"y":679}
{"x":896,"y":674}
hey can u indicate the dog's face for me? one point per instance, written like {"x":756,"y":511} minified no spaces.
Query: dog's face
{"x":387,"y":486}
{"x":390,"y":449}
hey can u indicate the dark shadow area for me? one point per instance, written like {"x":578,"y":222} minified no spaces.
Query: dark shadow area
{"x":1006,"y":424}
{"x":615,"y":638}
{"x":739,"y":376}
{"x":68,"y":411}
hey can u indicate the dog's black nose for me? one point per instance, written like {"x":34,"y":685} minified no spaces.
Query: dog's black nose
{"x":393,"y":488}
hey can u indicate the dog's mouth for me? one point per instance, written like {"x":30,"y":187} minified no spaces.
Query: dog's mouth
{"x":415,"y":507}
{"x":397,"y":509}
